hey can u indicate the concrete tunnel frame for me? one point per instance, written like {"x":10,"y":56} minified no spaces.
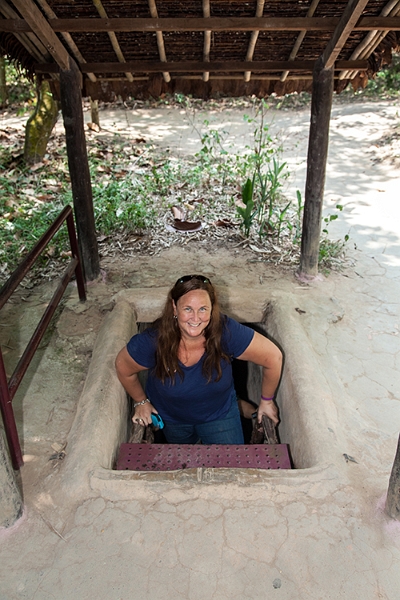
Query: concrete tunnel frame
{"x":304,"y":398}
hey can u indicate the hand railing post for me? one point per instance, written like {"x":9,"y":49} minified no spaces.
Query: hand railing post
{"x":8,"y":419}
{"x":9,"y":388}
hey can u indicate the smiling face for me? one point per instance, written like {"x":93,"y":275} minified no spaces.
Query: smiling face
{"x":193,"y":313}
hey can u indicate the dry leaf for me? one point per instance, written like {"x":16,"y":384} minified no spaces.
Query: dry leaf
{"x":186,"y":225}
{"x":224,"y":223}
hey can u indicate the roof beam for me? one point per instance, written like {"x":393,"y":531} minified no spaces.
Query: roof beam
{"x":113,"y":38}
{"x":29,"y":40}
{"x":346,"y":24}
{"x":160,"y":39}
{"x":372,"y":39}
{"x":50,"y":14}
{"x":207,"y":39}
{"x":44,"y":32}
{"x":296,"y":47}
{"x":203,"y":24}
{"x":253,"y":38}
{"x":212,"y":67}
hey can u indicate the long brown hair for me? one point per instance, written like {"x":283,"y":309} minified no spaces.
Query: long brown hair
{"x":169,"y":333}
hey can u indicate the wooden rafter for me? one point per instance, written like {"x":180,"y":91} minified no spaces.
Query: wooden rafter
{"x":160,"y":39}
{"x":29,"y":40}
{"x":207,"y":39}
{"x":44,"y":32}
{"x":202,"y":24}
{"x":346,"y":25}
{"x":113,"y":38}
{"x":372,"y":39}
{"x":253,"y":38}
{"x":214,"y":67}
{"x":67,"y":37}
{"x":300,"y":38}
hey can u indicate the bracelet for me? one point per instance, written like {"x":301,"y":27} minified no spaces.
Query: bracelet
{"x":266,"y":399}
{"x":135,"y":404}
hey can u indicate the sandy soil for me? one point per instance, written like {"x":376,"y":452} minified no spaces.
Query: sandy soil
{"x":361,"y":175}
{"x":315,"y":533}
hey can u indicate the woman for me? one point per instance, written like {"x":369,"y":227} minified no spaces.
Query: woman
{"x":188,"y":352}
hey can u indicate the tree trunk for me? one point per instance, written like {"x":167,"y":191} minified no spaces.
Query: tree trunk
{"x":71,"y":104}
{"x":3,"y":82}
{"x":321,"y":104}
{"x":40,"y":125}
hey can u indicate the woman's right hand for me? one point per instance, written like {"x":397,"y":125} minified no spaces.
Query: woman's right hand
{"x":142,"y":414}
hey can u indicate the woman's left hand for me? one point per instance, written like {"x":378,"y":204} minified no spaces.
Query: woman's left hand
{"x":269,"y":409}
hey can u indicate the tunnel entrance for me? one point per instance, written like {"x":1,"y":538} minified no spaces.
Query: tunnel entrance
{"x":156,"y":454}
{"x":308,"y":416}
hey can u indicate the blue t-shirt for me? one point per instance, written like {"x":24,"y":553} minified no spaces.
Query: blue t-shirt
{"x":193,"y":399}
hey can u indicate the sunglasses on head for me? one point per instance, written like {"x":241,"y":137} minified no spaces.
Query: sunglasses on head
{"x":190,"y":277}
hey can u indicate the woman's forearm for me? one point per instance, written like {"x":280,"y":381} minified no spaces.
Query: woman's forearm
{"x":270,"y":380}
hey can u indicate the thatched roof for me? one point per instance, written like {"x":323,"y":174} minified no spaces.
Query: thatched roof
{"x":200,"y":47}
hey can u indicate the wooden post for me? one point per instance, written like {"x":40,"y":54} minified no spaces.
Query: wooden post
{"x":393,"y":496}
{"x":71,"y":105}
{"x":94,"y":112}
{"x":321,"y":104}
{"x":11,"y":505}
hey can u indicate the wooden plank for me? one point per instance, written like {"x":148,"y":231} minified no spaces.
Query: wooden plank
{"x":50,"y":14}
{"x":42,"y":29}
{"x":253,"y":39}
{"x":207,"y":39}
{"x":112,"y":37}
{"x":237,"y":66}
{"x":71,"y":104}
{"x":214,"y":67}
{"x":199,"y":24}
{"x":321,"y":104}
{"x":160,"y":39}
{"x":30,"y":41}
{"x":346,"y":24}
{"x":196,"y":24}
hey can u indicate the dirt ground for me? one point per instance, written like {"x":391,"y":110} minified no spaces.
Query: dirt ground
{"x":318,"y":534}
{"x":364,"y":154}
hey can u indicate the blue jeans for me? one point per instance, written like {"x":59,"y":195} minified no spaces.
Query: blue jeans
{"x":227,"y":430}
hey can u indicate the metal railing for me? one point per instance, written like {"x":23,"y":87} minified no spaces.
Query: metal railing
{"x":8,"y":389}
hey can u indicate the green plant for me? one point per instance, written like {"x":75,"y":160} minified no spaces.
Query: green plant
{"x":329,"y":218}
{"x":270,"y":183}
{"x":134,"y":188}
{"x":119,"y":205}
{"x":267,"y":173}
{"x":247,"y":213}
{"x":21,"y":90}
{"x":281,"y":219}
{"x":213,"y":158}
{"x":298,"y":216}
{"x":330,"y":249}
